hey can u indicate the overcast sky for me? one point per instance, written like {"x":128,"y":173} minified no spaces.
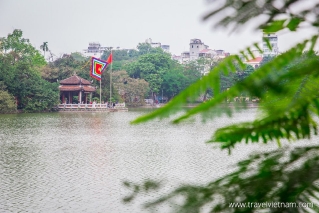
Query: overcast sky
{"x":69,"y":25}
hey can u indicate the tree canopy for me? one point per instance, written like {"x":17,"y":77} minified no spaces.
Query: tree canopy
{"x":132,"y":91}
{"x":7,"y":101}
{"x":20,"y":65}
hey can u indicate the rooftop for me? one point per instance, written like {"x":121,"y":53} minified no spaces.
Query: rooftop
{"x":205,"y":51}
{"x":255,"y":60}
{"x":75,"y":80}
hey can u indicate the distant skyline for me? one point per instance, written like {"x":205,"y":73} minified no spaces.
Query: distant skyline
{"x":69,"y":26}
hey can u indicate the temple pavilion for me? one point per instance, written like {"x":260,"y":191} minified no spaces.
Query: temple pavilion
{"x":75,"y":86}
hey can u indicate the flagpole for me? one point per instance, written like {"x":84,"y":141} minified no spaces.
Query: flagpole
{"x":100,"y":87}
{"x":111,"y":82}
{"x":100,"y":90}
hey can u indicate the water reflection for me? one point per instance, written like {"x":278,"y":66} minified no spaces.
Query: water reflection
{"x":76,"y":162}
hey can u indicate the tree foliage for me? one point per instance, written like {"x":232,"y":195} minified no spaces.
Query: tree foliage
{"x":79,"y":57}
{"x":64,"y":67}
{"x":44,"y":47}
{"x":287,"y":86}
{"x":19,"y":65}
{"x":156,"y":67}
{"x":174,"y":81}
{"x":131,"y":90}
{"x":277,"y":15}
{"x":20,"y":49}
{"x":150,"y":67}
{"x":7,"y":101}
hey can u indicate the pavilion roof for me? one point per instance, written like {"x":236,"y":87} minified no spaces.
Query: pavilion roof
{"x":71,"y":88}
{"x":75,"y":80}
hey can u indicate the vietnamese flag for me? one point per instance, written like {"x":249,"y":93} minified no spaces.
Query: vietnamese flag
{"x":109,"y":59}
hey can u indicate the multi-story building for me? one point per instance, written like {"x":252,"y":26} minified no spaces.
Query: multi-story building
{"x":94,"y":49}
{"x":195,"y":47}
{"x":266,"y":51}
{"x":273,"y":40}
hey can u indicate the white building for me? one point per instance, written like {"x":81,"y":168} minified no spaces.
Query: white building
{"x":183,"y":58}
{"x":195,"y":47}
{"x":273,"y":40}
{"x":94,"y":50}
{"x":165,"y":47}
{"x":266,"y":51}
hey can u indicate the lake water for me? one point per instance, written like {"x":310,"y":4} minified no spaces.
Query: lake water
{"x":77,"y":162}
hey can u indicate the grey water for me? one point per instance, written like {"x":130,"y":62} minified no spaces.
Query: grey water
{"x":77,"y":161}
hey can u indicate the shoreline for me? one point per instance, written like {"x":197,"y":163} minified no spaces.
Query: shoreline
{"x":231,"y":104}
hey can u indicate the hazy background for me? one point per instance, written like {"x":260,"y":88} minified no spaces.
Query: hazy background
{"x":69,"y":25}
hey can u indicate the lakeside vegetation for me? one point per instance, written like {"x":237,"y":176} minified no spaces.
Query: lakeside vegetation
{"x":29,"y":83}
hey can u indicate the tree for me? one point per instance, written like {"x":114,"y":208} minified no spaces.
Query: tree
{"x":286,"y":175}
{"x":66,"y":66}
{"x":144,"y":48}
{"x":242,"y":74}
{"x":120,"y":55}
{"x":126,"y":56}
{"x":19,"y":49}
{"x":44,"y":47}
{"x":173,"y":82}
{"x":151,"y":67}
{"x":197,"y":68}
{"x":79,"y":57}
{"x":7,"y":101}
{"x":20,"y":73}
{"x":266,"y":59}
{"x":131,"y":90}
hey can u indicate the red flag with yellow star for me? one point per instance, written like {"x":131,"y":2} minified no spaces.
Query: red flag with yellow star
{"x":109,"y":59}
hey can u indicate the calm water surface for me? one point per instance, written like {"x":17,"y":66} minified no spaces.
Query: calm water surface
{"x":76,"y":162}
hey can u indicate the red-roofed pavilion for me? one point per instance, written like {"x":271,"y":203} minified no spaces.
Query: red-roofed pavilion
{"x":75,"y":86}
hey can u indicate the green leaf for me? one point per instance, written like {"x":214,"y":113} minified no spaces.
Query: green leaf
{"x":274,"y":26}
{"x":294,"y":23}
